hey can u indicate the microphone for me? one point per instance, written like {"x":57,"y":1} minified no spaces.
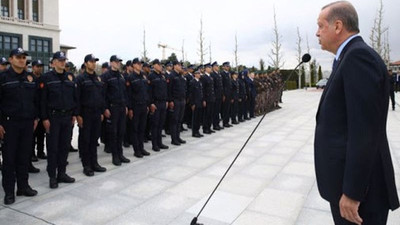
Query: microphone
{"x":305,"y":58}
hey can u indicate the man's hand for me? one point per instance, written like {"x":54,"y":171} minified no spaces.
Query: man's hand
{"x":171,"y":105}
{"x":204,"y":103}
{"x":46,"y":124}
{"x":35,"y":123}
{"x":349,"y":209}
{"x":107,"y":113}
{"x":193,"y":107}
{"x":2,"y":132}
{"x":153,"y":108}
{"x":130,"y":114}
{"x":79,"y":119}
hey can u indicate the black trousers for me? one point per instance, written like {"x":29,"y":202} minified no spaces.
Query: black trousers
{"x":369,"y":218}
{"x":226,"y":105}
{"x":234,"y":110}
{"x":208,"y":116}
{"x":128,"y":131}
{"x":139,"y":126}
{"x":242,"y":110}
{"x":38,"y":139}
{"x":252,"y":105}
{"x":58,"y":142}
{"x":392,"y":98}
{"x":217,"y":112}
{"x":16,"y":154}
{"x":88,"y":135}
{"x":196,"y":119}
{"x":157,"y":123}
{"x":176,"y":119}
{"x":187,"y":118}
{"x":115,"y":129}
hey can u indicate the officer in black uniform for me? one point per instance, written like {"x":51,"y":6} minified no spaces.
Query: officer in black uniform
{"x":116,"y":110}
{"x":128,"y":127}
{"x":197,"y":103}
{"x":90,"y":109}
{"x":18,"y":118}
{"x":226,"y":98}
{"x":188,"y":110}
{"x":209,"y":97}
{"x":158,"y":107}
{"x":168,"y":70}
{"x":3,"y":64}
{"x":39,"y":134}
{"x":176,"y":102}
{"x":218,"y":90}
{"x":58,"y":113}
{"x":242,"y":96}
{"x":138,"y":107}
{"x":234,"y":97}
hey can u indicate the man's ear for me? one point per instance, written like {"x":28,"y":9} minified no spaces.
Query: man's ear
{"x":338,"y":26}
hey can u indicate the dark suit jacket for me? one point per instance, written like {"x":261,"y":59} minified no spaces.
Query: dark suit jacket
{"x":351,"y":149}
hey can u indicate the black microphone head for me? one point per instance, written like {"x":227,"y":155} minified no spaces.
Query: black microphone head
{"x":306,"y":58}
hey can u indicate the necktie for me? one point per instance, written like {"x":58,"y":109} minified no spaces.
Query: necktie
{"x":335,"y":62}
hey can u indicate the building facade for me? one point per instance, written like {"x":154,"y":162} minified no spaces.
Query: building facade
{"x":32,"y":25}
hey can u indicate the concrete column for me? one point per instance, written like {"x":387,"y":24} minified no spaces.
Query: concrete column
{"x":29,"y":10}
{"x":14,"y":8}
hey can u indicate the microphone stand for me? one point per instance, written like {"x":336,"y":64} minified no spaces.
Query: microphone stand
{"x":306,"y":58}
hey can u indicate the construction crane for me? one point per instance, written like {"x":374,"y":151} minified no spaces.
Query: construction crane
{"x":164,"y":46}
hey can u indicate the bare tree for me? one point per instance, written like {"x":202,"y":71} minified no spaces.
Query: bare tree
{"x":183,"y":50}
{"x":236,"y":53}
{"x":377,"y":32}
{"x":386,"y":49}
{"x":202,"y":50}
{"x":299,"y":54}
{"x":309,"y":63}
{"x":209,"y":49}
{"x":144,"y":53}
{"x":262,"y":64}
{"x":276,"y":55}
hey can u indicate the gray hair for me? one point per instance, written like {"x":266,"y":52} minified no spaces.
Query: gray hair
{"x":345,"y":12}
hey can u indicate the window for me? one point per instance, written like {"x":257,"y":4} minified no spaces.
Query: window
{"x":40,"y":48}
{"x":8,"y":42}
{"x":5,"y":8}
{"x":35,"y":10}
{"x":21,"y":9}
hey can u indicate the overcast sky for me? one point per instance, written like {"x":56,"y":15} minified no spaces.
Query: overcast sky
{"x":105,"y":27}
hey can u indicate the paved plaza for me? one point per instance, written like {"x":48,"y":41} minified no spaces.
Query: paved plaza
{"x":272,"y":183}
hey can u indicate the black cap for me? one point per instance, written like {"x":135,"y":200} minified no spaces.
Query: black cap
{"x":69,"y":64}
{"x":37,"y":63}
{"x":145,"y":64}
{"x":128,"y":63}
{"x":200,"y":67}
{"x":104,"y":65}
{"x":233,"y":73}
{"x":207,"y":65}
{"x":176,"y":63}
{"x":59,"y":55}
{"x":191,"y":66}
{"x":169,"y":63}
{"x":90,"y":57}
{"x":18,"y":51}
{"x":214,"y":64}
{"x":226,"y":64}
{"x":115,"y":58}
{"x":155,"y":61}
{"x":136,"y":60}
{"x":83,"y":66}
{"x":195,"y":72}
{"x":3,"y":61}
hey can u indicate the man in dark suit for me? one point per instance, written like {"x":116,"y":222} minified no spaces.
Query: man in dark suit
{"x":352,"y":159}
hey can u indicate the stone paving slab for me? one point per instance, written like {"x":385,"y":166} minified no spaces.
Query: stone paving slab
{"x":273,"y":181}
